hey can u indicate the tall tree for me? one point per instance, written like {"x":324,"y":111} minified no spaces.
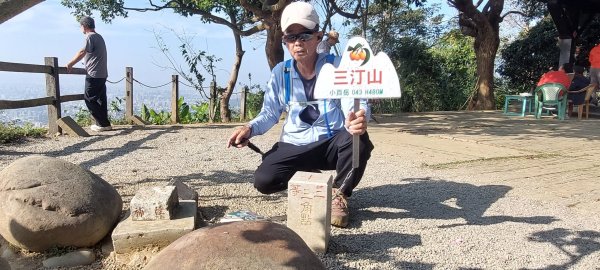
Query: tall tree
{"x":484,"y":26}
{"x":479,"y":19}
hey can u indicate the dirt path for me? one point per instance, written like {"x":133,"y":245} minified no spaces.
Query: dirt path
{"x":440,"y":192}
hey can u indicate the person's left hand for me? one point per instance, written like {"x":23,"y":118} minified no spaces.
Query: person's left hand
{"x":356,"y":122}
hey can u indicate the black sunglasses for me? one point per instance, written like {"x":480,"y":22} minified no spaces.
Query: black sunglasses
{"x":304,"y":36}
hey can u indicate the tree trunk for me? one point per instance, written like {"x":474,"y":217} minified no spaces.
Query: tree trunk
{"x":273,"y":47}
{"x":226,"y":96}
{"x":484,"y":27}
{"x":486,"y":46}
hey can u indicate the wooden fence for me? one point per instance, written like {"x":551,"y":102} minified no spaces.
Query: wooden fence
{"x":53,"y":98}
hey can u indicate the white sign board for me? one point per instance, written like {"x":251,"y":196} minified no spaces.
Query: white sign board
{"x":360,"y":74}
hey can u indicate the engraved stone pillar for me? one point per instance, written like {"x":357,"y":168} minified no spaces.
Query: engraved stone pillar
{"x":154,"y":203}
{"x":309,"y":208}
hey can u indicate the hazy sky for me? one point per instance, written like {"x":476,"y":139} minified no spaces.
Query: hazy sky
{"x":49,"y":29}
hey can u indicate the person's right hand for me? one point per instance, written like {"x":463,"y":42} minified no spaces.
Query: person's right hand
{"x":69,"y":67}
{"x":239,"y":137}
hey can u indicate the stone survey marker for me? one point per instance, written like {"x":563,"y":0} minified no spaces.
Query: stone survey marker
{"x":309,"y":208}
{"x":154,"y":203}
{"x":156,"y":218}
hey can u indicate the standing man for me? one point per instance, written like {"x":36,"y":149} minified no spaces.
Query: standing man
{"x":93,"y":54}
{"x":595,"y":70}
{"x":317,"y":134}
{"x":326,"y":44}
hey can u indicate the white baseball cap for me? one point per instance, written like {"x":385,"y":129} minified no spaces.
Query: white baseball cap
{"x":301,"y":13}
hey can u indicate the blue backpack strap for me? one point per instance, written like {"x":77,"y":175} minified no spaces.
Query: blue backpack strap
{"x":329,"y":58}
{"x":287,"y":80}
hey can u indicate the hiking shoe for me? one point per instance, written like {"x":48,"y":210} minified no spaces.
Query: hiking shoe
{"x":99,"y":128}
{"x":339,"y":210}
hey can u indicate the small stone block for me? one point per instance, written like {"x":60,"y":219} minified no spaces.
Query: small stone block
{"x":154,"y":203}
{"x":136,"y":120}
{"x":183,"y":191}
{"x":130,"y":235}
{"x":309,"y":208}
{"x":69,"y":126}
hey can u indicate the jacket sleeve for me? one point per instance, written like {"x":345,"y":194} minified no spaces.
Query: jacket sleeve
{"x":272,"y":107}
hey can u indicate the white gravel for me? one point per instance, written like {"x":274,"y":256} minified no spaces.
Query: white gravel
{"x":404,"y":215}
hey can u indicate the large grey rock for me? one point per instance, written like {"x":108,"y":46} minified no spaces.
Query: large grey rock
{"x":250,"y":245}
{"x":47,"y":202}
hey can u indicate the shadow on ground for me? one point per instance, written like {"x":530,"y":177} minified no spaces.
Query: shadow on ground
{"x":419,"y":198}
{"x":574,"y":244}
{"x":424,"y":198}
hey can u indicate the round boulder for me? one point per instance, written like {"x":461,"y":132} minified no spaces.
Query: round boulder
{"x":251,"y":245}
{"x":47,"y":202}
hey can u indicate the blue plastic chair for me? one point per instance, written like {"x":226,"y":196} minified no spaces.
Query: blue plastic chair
{"x":551,"y":95}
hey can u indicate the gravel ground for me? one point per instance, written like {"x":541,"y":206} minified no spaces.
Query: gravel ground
{"x":404,"y":215}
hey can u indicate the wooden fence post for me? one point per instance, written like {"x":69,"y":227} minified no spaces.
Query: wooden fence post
{"x":174,"y":99}
{"x":129,"y":93}
{"x":243,"y":103}
{"x":53,"y":90}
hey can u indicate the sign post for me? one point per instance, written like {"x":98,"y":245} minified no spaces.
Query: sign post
{"x":361,"y":74}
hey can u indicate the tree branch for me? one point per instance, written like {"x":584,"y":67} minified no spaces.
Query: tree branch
{"x":513,"y":12}
{"x":478,"y":3}
{"x":206,"y":15}
{"x":274,"y":7}
{"x":257,"y":11}
{"x":344,"y":13}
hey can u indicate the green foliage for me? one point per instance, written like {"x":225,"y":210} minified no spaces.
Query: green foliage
{"x":116,"y":115}
{"x":439,"y":78}
{"x":196,"y":113}
{"x":455,"y":56}
{"x":83,"y":117}
{"x":188,"y":114}
{"x":109,"y":9}
{"x":436,"y":71}
{"x":388,"y":24}
{"x":200,"y":112}
{"x":12,"y":132}
{"x":418,"y":73}
{"x":254,"y":103}
{"x":527,"y":58}
{"x":533,"y":8}
{"x":154,"y":117}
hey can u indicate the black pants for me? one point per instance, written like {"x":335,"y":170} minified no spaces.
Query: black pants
{"x":95,"y":100}
{"x":284,"y":160}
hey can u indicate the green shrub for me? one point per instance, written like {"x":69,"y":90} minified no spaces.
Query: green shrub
{"x":83,"y":117}
{"x":11,"y":132}
{"x":116,"y":116}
